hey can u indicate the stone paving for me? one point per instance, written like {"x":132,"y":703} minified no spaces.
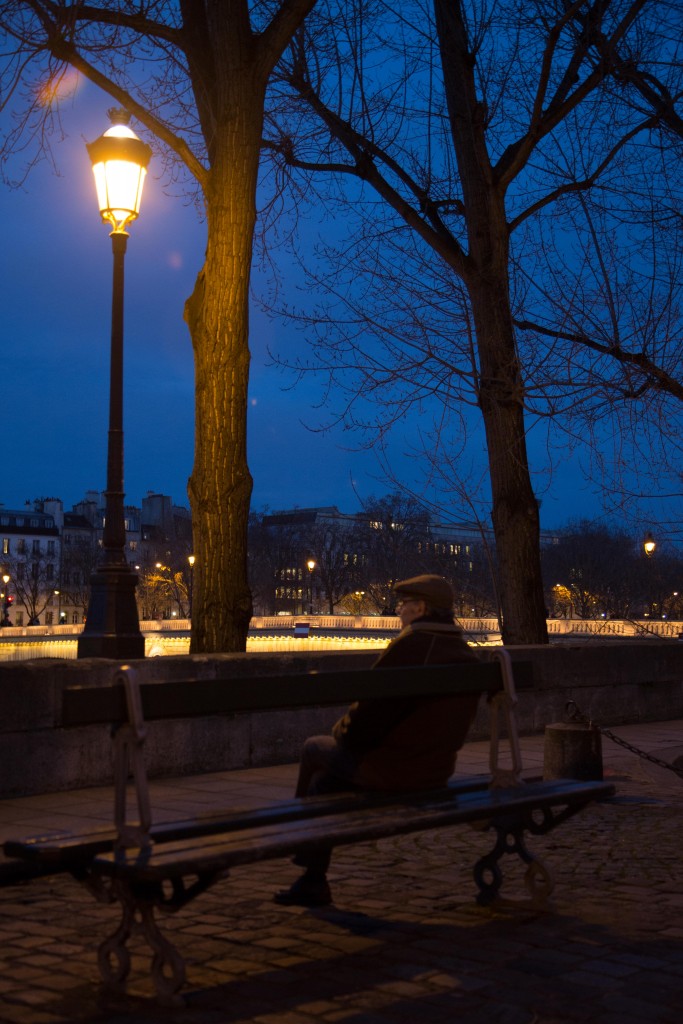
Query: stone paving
{"x":405,"y":942}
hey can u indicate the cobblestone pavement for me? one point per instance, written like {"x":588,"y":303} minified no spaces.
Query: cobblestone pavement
{"x":405,"y":942}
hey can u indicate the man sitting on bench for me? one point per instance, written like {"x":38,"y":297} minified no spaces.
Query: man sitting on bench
{"x":391,"y":743}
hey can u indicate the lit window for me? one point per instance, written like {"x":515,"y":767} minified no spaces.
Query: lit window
{"x":5,"y":545}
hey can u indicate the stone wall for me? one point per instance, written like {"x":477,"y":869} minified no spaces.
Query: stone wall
{"x":614,"y":683}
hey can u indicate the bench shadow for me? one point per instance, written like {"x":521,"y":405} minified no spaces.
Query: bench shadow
{"x":513,"y":966}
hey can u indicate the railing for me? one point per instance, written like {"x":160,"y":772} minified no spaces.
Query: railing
{"x":375,"y":623}
{"x":340,"y":632}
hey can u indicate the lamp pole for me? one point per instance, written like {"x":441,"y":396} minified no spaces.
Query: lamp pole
{"x":310,"y":565}
{"x":191,"y":560}
{"x":6,"y":603}
{"x":649,"y":547}
{"x":112,"y":627}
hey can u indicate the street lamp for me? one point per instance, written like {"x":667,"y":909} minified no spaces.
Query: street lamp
{"x":112,"y":628}
{"x":191,"y":560}
{"x":310,"y":564}
{"x":6,"y":603}
{"x":649,"y":545}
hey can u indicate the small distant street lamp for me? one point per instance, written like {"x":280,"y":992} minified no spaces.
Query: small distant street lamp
{"x":6,"y":600}
{"x":649,"y":546}
{"x":112,"y":627}
{"x":310,"y":565}
{"x":191,"y":560}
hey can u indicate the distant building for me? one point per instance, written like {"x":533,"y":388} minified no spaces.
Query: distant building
{"x":30,"y":556}
{"x":49,"y":555}
{"x":323,"y":560}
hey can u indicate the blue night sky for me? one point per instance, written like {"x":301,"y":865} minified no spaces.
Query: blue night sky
{"x":55,"y":357}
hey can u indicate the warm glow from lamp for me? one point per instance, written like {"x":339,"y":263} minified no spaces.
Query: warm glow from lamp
{"x":119,"y":162}
{"x":649,"y":544}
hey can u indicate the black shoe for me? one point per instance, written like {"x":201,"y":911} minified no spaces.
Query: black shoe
{"x":305,"y":892}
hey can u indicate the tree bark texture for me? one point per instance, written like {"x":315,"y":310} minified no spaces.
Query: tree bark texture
{"x":229,"y":70}
{"x":216,"y":313}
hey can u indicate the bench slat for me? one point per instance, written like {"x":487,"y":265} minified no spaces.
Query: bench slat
{"x":68,"y":848}
{"x":404,"y":815}
{"x":88,"y":705}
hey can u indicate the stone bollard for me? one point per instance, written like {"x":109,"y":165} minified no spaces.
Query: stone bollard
{"x":572,"y":751}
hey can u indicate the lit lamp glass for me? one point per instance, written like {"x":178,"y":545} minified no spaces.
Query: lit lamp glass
{"x":649,"y":544}
{"x":119,"y":162}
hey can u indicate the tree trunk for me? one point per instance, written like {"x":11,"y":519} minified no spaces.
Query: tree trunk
{"x":514,"y":507}
{"x":218,"y":319}
{"x":501,"y":392}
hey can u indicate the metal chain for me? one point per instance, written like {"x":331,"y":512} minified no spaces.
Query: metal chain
{"x":576,"y":714}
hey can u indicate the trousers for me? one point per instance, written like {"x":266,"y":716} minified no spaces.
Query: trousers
{"x":325,"y":767}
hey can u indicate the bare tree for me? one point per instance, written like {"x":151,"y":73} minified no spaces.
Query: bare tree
{"x":270,"y":551}
{"x":163,"y":591}
{"x":391,"y":537}
{"x":79,"y":558}
{"x":34,"y":582}
{"x":338,"y":563}
{"x":194,"y":75}
{"x":605,"y":571}
{"x":482,"y":151}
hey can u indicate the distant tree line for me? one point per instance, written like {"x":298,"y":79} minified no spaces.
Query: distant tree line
{"x":328,"y":563}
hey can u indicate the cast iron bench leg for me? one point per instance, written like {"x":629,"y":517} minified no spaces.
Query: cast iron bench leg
{"x":489,"y":877}
{"x":137,"y":917}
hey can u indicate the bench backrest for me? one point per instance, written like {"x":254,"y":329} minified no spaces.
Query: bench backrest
{"x":189,"y":698}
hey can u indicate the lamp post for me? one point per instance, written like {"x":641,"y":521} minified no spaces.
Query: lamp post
{"x":112,"y":628}
{"x":649,"y":546}
{"x":6,"y":603}
{"x":310,"y":565}
{"x":191,"y":560}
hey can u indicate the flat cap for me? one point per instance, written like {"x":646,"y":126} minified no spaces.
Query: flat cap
{"x":435,"y":590}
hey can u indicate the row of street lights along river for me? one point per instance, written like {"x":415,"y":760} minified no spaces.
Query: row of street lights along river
{"x":112,"y":626}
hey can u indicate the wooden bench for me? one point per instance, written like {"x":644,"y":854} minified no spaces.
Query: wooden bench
{"x":152,"y":866}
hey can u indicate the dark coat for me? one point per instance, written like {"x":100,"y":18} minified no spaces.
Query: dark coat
{"x":411,"y":742}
